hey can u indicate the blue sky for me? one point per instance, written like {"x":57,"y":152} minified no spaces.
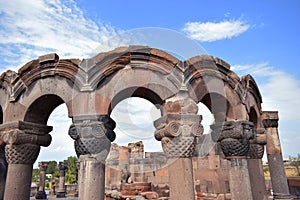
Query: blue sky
{"x":256,"y":37}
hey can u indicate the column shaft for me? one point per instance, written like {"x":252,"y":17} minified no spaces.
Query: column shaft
{"x":91,"y":180}
{"x":41,"y":194}
{"x":61,"y":192}
{"x":274,"y":155}
{"x":180,"y":181}
{"x":276,"y":167}
{"x":19,"y":182}
{"x":239,"y":179}
{"x":278,"y":177}
{"x":3,"y":171}
{"x":257,"y":179}
{"x":234,"y":138}
{"x":23,"y":141}
{"x":178,"y":135}
{"x":93,"y":136}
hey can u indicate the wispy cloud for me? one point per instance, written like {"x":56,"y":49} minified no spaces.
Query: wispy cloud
{"x":213,"y":31}
{"x":280,"y":90}
{"x":32,"y":28}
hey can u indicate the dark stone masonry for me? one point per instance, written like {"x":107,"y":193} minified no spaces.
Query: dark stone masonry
{"x":91,"y":88}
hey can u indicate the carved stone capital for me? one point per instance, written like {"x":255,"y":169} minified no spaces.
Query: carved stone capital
{"x":23,"y":141}
{"x":256,"y":151}
{"x":21,"y":132}
{"x":234,"y":137}
{"x":178,"y":133}
{"x":63,"y":166}
{"x":270,"y":119}
{"x":22,"y":153}
{"x":92,"y":135}
{"x":43,"y":166}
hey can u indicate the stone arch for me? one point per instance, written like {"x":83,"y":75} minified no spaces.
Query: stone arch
{"x":253,"y":101}
{"x":99,"y":83}
{"x":217,"y":104}
{"x":253,"y":117}
{"x":145,"y":72}
{"x":211,"y":82}
{"x":40,"y":110}
{"x":40,"y":90}
{"x":141,"y":92}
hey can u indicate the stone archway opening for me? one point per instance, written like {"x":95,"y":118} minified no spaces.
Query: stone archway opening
{"x":134,"y":110}
{"x":134,"y":142}
{"x":62,"y":146}
{"x":207,"y":117}
{"x":40,"y":110}
{"x":44,"y":113}
{"x":51,"y":110}
{"x":134,"y":117}
{"x":205,"y":143}
{"x":253,"y":117}
{"x":218,"y":106}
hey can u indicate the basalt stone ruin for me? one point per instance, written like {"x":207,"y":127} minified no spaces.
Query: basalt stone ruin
{"x":91,"y":88}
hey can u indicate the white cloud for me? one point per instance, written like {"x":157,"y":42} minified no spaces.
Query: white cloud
{"x":280,"y":90}
{"x":212,"y":31}
{"x":32,"y":28}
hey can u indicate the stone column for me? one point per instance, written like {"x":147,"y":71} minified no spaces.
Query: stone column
{"x":275,"y":161}
{"x":3,"y":169}
{"x":61,"y":192}
{"x":41,"y":194}
{"x":93,"y":136}
{"x":234,"y":138}
{"x":78,"y":167}
{"x":23,"y":141}
{"x":255,"y":165}
{"x":177,"y":130}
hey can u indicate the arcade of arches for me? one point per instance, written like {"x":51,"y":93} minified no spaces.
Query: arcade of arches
{"x":91,"y":88}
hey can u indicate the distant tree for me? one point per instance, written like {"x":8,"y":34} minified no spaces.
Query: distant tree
{"x":266,"y":169}
{"x":35,"y":175}
{"x":52,"y":167}
{"x":295,"y":161}
{"x":55,"y":174}
{"x":72,"y":172}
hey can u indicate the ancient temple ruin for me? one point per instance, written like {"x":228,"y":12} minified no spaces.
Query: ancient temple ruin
{"x":91,"y":88}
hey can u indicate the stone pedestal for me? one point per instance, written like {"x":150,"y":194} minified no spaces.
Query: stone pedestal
{"x":23,"y":141}
{"x":275,"y":161}
{"x":41,"y":194}
{"x":61,"y":191}
{"x":234,"y":138}
{"x":93,"y":136}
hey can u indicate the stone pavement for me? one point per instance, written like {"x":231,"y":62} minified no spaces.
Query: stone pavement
{"x":54,"y":198}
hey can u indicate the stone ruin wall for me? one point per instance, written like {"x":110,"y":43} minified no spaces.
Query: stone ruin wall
{"x":211,"y":172}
